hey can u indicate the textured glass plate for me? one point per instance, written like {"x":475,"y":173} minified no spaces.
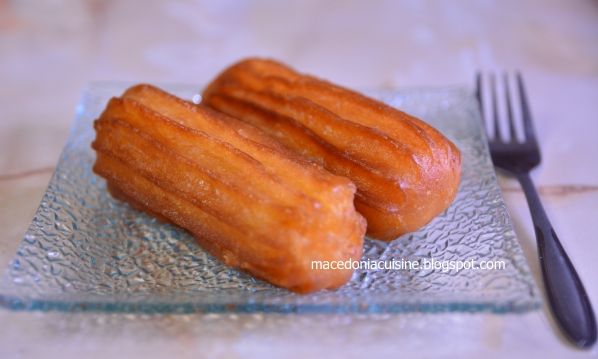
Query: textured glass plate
{"x":87,"y":251}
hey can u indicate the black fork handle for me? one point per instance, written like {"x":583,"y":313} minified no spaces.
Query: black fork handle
{"x":569,"y":302}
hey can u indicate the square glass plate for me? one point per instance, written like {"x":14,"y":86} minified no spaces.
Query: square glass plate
{"x":87,"y":251}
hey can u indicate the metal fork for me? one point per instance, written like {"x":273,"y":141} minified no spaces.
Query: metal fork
{"x":567,"y":297}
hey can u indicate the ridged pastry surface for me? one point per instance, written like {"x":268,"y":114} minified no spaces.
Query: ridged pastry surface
{"x":248,"y":200}
{"x":406,"y":171}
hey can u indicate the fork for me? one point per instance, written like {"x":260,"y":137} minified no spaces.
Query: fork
{"x":568,"y":300}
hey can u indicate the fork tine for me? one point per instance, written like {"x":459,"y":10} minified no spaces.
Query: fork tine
{"x":478,"y":92}
{"x":512,"y":131}
{"x":495,"y":118}
{"x":525,"y":111}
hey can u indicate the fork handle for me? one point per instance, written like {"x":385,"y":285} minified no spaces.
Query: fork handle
{"x":569,"y":302}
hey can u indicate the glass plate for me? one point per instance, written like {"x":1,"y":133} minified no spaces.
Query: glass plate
{"x":87,"y":251}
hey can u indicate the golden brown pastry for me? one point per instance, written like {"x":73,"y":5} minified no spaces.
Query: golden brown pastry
{"x":406,"y":172}
{"x":248,"y":200}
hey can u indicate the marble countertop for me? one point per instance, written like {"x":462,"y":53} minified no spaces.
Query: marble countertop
{"x":50,"y":50}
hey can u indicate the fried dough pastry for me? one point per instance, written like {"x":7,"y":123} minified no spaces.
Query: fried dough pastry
{"x":248,"y":200}
{"x":406,"y":171}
